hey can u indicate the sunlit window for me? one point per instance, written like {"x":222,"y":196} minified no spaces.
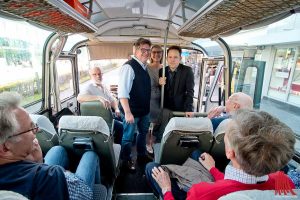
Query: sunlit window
{"x":21,"y":51}
{"x":65,"y":81}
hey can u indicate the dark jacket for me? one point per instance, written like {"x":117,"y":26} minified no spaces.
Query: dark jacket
{"x":34,"y":180}
{"x":179,"y":98}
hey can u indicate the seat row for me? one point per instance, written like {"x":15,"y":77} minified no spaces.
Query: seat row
{"x":78,"y":134}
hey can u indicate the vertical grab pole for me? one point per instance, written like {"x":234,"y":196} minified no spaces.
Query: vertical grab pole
{"x":164,"y":66}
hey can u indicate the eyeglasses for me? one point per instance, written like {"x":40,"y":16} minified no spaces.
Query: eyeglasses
{"x":143,"y":50}
{"x":156,"y":52}
{"x":34,"y":129}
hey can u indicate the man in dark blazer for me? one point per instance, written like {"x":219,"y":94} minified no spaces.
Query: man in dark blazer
{"x":179,"y":83}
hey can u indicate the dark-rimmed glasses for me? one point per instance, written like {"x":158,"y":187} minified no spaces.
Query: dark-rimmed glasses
{"x":156,"y":52}
{"x":35,"y":129}
{"x":143,"y":50}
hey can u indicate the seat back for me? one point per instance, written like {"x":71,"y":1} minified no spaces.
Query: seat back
{"x":10,"y":195}
{"x":96,"y":129}
{"x":218,"y":148}
{"x":96,"y":108}
{"x":47,"y":135}
{"x":182,"y":136}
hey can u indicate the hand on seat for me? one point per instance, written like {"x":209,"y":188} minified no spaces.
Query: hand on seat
{"x":105,"y":103}
{"x":189,"y":114}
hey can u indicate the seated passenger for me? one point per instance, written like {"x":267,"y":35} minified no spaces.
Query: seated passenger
{"x":20,"y":154}
{"x":235,"y":102}
{"x":96,"y":91}
{"x":257,"y":145}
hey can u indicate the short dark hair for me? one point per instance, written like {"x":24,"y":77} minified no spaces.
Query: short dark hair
{"x":262,"y":143}
{"x":142,"y":41}
{"x":178,"y":48}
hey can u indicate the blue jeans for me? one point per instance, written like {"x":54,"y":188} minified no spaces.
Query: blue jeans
{"x":142,"y":124}
{"x":88,"y":168}
{"x":176,"y":191}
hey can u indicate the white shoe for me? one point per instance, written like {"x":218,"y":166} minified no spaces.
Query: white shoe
{"x":149,"y":149}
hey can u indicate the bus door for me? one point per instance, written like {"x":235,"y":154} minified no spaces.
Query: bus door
{"x":66,"y":81}
{"x":249,"y":79}
{"x":211,"y":90}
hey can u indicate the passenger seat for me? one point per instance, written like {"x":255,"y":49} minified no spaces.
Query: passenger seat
{"x":47,"y":135}
{"x":91,"y":132}
{"x":218,"y":148}
{"x":181,"y":137}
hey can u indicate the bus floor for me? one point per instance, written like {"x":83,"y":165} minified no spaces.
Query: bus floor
{"x":132,"y":182}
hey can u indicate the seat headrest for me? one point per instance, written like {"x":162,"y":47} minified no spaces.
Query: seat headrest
{"x":89,"y":123}
{"x":222,"y":127}
{"x":197,"y":125}
{"x":259,"y":194}
{"x":43,"y":122}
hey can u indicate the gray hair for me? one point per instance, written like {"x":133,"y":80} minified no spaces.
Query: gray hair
{"x":8,"y":123}
{"x":262,"y":143}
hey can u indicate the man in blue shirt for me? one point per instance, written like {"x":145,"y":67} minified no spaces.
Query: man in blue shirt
{"x":20,"y":170}
{"x":134,"y":93}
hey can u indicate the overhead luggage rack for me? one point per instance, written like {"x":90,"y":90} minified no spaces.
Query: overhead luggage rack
{"x":229,"y":16}
{"x":56,"y":15}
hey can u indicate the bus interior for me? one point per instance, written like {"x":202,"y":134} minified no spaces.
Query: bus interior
{"x":48,"y":46}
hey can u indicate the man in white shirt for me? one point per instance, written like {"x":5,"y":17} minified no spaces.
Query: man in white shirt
{"x":96,"y":91}
{"x":134,"y":92}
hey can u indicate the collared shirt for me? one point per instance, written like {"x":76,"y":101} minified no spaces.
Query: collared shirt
{"x":77,"y":188}
{"x":232,"y":173}
{"x":126,"y":79}
{"x":97,"y":90}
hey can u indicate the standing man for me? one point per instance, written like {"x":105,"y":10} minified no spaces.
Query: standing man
{"x":134,"y":92}
{"x":179,"y":88}
{"x":179,"y":83}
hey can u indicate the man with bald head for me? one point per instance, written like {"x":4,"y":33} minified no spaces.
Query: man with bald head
{"x":235,"y":102}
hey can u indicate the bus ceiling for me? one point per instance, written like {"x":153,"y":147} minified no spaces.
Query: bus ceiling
{"x":189,"y":18}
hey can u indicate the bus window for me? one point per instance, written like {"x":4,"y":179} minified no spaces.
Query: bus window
{"x":283,"y":62}
{"x":65,"y":81}
{"x":193,"y":59}
{"x":250,"y":81}
{"x":275,"y":51}
{"x":72,"y":40}
{"x":294,"y":96}
{"x":21,"y":54}
{"x":83,"y":64}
